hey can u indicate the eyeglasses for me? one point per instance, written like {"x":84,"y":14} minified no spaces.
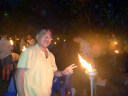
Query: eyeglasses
{"x":47,"y":37}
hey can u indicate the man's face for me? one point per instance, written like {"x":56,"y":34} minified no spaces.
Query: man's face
{"x":29,"y":37}
{"x":45,"y":40}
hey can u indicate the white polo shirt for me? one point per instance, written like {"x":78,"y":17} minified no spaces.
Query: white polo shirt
{"x":39,"y":76}
{"x":5,"y":48}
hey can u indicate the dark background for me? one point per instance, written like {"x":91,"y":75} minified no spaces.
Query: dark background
{"x":64,"y":16}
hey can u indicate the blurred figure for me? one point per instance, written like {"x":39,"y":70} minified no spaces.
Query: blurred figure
{"x":15,"y":59}
{"x":22,"y":44}
{"x":125,"y":45}
{"x":97,"y":46}
{"x":112,"y":42}
{"x":5,"y":56}
{"x":112,"y":48}
{"x":126,"y":55}
{"x":16,"y":47}
{"x":30,"y":41}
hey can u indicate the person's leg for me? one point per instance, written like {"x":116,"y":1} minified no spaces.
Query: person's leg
{"x":8,"y":64}
{"x":7,"y":72}
{"x":3,"y":72}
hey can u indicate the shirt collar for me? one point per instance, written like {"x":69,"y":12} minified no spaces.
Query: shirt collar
{"x":41,"y":50}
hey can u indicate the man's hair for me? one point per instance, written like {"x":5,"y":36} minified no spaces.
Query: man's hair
{"x":3,"y":32}
{"x":42,"y":32}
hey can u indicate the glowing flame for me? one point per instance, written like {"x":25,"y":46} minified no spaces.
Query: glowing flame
{"x":85,"y":64}
{"x":115,"y":43}
{"x":64,"y":40}
{"x":24,"y":48}
{"x":11,"y":42}
{"x":116,"y":51}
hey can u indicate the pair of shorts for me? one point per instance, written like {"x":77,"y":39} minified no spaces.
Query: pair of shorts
{"x":7,"y":60}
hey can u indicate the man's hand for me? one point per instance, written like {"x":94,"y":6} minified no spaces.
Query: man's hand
{"x":68,"y":70}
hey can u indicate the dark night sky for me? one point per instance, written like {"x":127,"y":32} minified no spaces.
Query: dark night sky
{"x":68,"y":15}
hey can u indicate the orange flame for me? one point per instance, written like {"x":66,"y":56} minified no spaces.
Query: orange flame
{"x":24,"y":48}
{"x":11,"y":42}
{"x":116,"y":51}
{"x":115,"y":43}
{"x":85,"y":64}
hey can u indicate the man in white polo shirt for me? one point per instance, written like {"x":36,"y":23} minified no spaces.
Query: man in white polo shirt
{"x":5,"y":56}
{"x":36,"y":68}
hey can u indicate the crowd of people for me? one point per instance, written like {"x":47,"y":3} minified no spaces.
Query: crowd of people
{"x":38,"y":65}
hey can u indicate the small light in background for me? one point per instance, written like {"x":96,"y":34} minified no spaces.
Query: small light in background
{"x":64,"y":40}
{"x":58,"y":38}
{"x":116,"y":51}
{"x":115,"y":43}
{"x":17,"y":38}
{"x":55,"y":43}
{"x":5,"y":13}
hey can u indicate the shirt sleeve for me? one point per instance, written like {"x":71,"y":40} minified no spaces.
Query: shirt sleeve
{"x":24,"y":61}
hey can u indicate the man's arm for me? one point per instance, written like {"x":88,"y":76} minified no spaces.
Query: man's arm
{"x":20,"y":81}
{"x":58,"y":73}
{"x":68,"y":70}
